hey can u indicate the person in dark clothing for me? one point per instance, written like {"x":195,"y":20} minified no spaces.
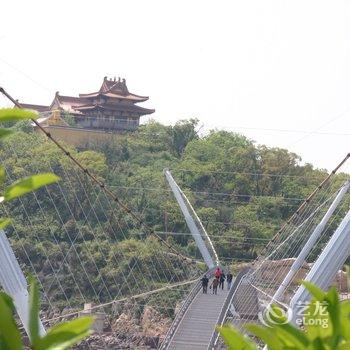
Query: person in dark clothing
{"x":222,"y":280}
{"x":215,"y":284}
{"x":229,"y":277}
{"x":205,"y":282}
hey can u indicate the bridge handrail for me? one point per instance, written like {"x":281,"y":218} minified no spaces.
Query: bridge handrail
{"x":188,"y":301}
{"x":225,"y":307}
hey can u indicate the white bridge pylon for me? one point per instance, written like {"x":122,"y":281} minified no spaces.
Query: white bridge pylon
{"x":194,"y":224}
{"x":328,"y":263}
{"x":13,"y":282}
{"x":311,"y":242}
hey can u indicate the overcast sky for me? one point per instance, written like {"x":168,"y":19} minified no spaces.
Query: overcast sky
{"x":277,"y":71}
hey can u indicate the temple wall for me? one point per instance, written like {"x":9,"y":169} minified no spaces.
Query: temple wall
{"x":81,"y":137}
{"x":109,"y":123}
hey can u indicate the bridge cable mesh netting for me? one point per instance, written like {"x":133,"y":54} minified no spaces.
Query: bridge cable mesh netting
{"x":83,"y":247}
{"x":102,"y":252}
{"x":257,"y":290}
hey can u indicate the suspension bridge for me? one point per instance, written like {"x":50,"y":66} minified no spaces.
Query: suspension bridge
{"x":313,"y":245}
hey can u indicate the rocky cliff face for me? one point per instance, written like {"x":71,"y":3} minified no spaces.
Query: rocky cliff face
{"x":128,"y":332}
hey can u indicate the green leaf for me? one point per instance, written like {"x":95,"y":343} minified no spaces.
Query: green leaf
{"x":78,"y":325}
{"x":2,"y":174}
{"x":320,"y":344}
{"x":292,"y":334}
{"x":317,"y":322}
{"x":13,"y":114}
{"x":29,"y":184}
{"x":235,"y":340}
{"x":65,"y":335}
{"x":9,"y":332}
{"x":344,"y":319}
{"x":8,"y":300}
{"x":344,"y":346}
{"x":318,"y":293}
{"x":266,"y":335}
{"x":5,"y":132}
{"x":33,"y":311}
{"x":3,"y":345}
{"x":333,"y":308}
{"x":4,"y":222}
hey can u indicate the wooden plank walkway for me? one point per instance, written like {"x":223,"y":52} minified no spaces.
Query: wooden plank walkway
{"x":198,"y":324}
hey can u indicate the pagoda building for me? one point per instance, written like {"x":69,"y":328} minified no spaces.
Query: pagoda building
{"x":111,"y":108}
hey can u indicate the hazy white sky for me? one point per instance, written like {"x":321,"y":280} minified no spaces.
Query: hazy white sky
{"x":247,"y":66}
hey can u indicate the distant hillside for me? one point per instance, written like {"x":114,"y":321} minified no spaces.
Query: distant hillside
{"x":242,"y":192}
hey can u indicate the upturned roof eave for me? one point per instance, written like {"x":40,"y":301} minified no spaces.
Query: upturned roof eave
{"x":130,"y":97}
{"x":142,"y":110}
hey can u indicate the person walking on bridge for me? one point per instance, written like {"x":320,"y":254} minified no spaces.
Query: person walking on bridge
{"x":215,"y":284}
{"x":218,"y":272}
{"x":205,"y":282}
{"x":229,"y":278}
{"x":222,"y":280}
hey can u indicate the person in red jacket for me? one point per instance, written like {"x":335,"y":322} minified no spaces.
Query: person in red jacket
{"x":218,"y":273}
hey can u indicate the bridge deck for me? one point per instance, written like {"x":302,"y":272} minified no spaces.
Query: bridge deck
{"x":198,"y":324}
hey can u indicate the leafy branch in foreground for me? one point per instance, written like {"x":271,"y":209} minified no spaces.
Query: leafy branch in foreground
{"x":60,"y":337}
{"x":326,"y":325}
{"x":28,"y":184}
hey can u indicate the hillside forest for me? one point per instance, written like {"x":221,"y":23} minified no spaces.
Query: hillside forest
{"x":241,"y":191}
